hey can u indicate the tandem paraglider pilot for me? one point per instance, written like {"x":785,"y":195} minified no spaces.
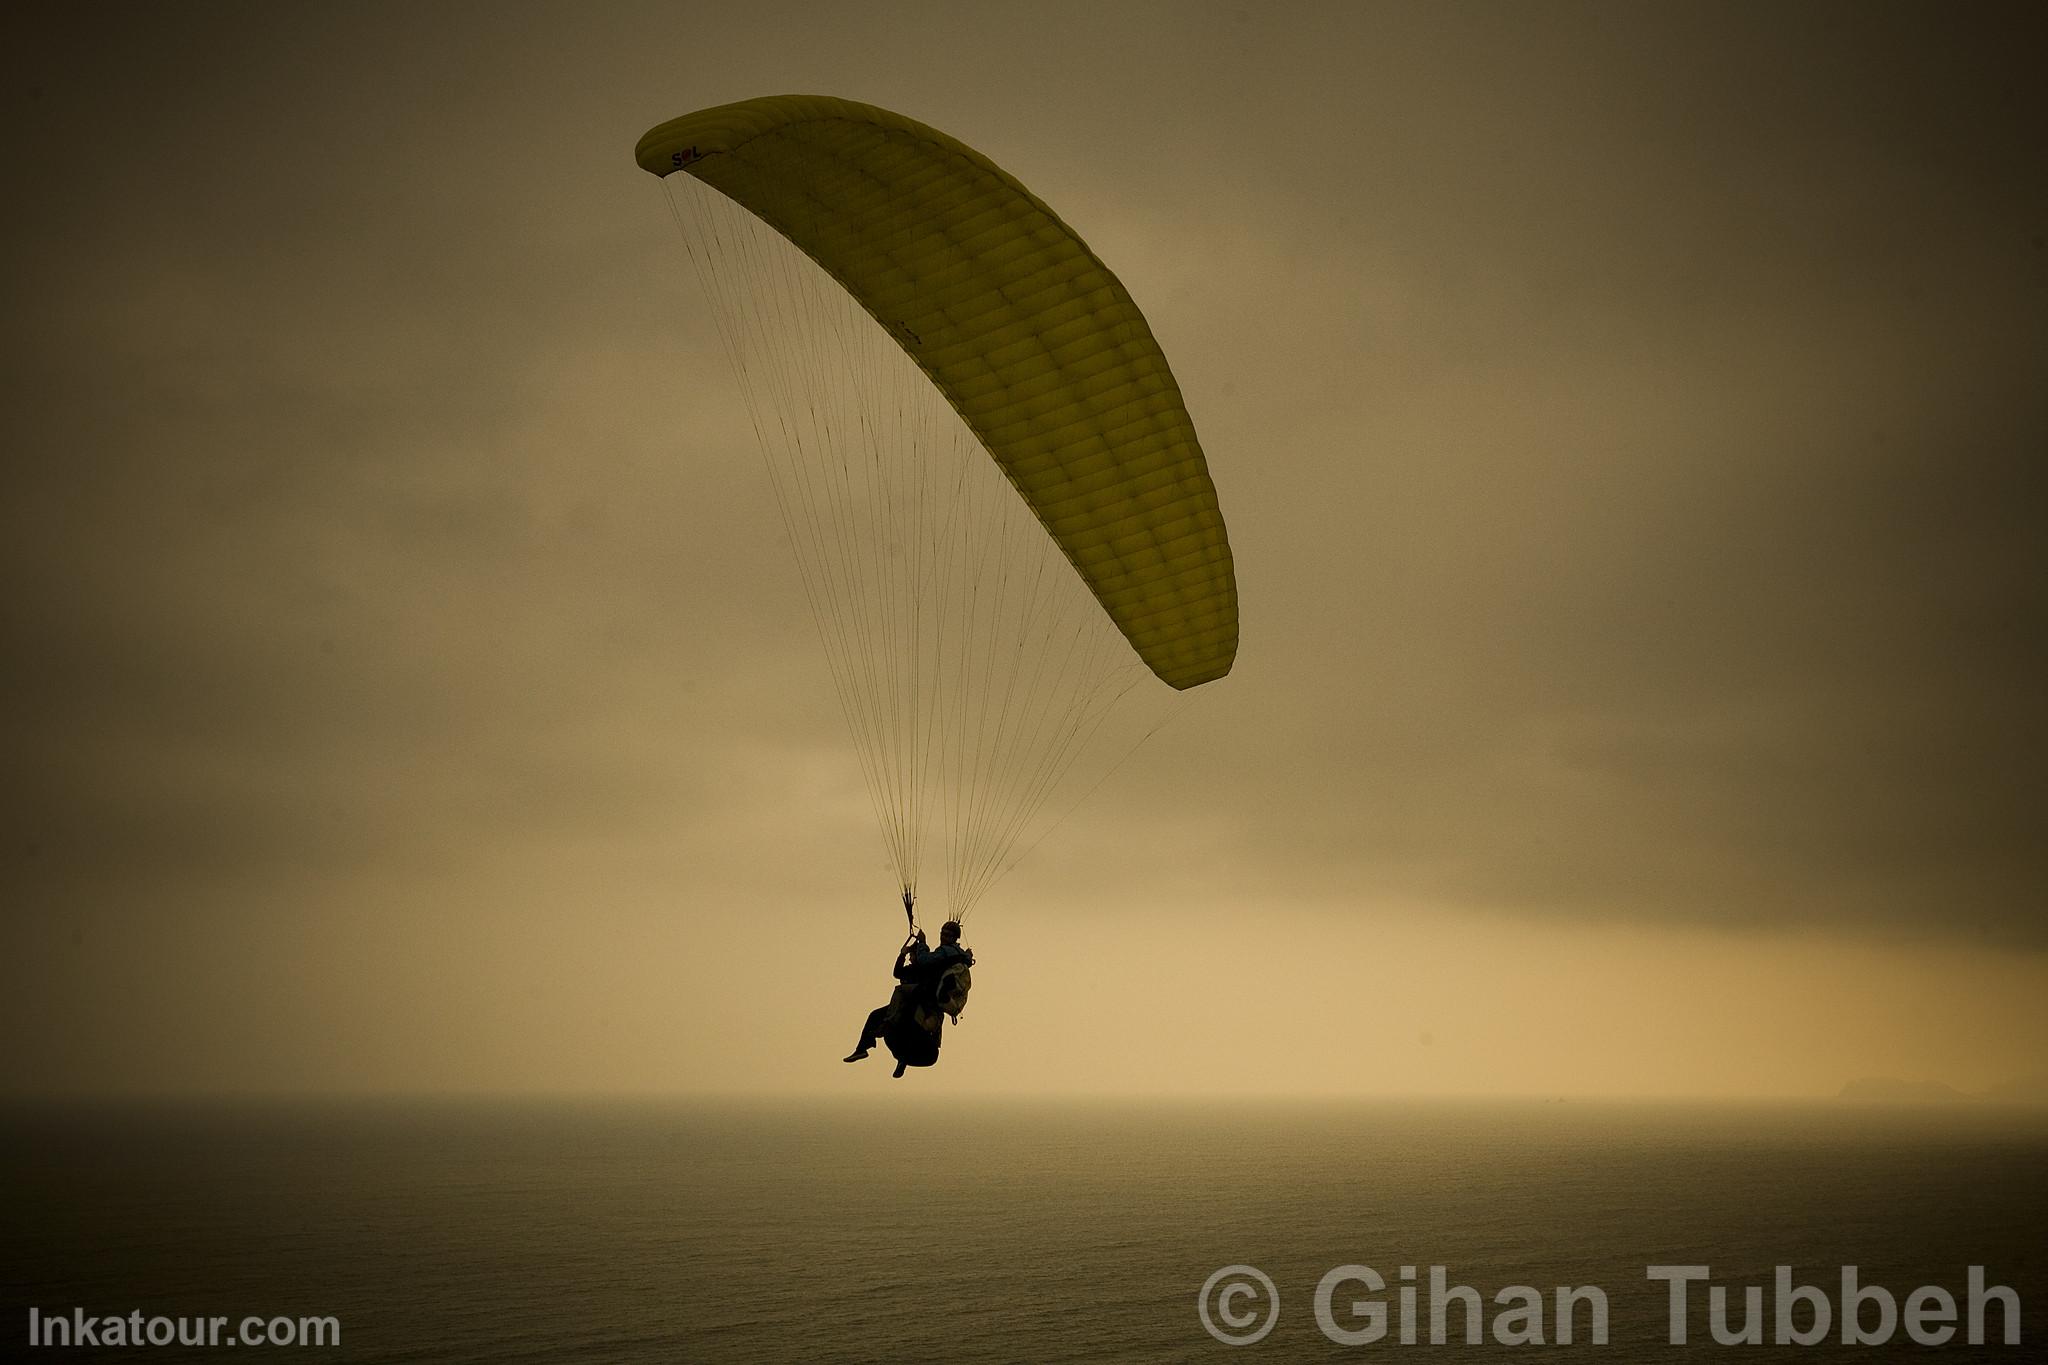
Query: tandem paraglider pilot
{"x":932,"y":986}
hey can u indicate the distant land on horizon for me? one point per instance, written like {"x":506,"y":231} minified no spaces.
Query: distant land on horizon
{"x":1892,"y":1090}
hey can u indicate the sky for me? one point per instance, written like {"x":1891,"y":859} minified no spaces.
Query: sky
{"x":1628,"y":421}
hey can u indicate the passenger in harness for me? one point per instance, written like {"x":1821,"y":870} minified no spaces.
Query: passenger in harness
{"x":932,"y":984}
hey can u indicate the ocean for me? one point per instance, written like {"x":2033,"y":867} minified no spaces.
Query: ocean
{"x":904,"y":1229}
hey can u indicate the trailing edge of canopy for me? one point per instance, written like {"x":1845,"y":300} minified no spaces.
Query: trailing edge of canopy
{"x":1029,"y":336}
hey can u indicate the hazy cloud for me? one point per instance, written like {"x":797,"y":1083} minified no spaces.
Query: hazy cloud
{"x":1630,"y":424}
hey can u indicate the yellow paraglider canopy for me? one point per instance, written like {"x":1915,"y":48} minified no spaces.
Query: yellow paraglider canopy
{"x":1029,"y":337}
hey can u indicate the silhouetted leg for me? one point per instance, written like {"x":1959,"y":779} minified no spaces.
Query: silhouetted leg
{"x":871,"y":1032}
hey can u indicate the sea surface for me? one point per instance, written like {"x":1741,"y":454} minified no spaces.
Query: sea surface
{"x":909,"y":1230}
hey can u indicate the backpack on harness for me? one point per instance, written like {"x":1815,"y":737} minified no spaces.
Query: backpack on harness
{"x":949,"y":993}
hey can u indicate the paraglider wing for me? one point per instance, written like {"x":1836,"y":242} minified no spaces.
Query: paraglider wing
{"x":1030,"y":338}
